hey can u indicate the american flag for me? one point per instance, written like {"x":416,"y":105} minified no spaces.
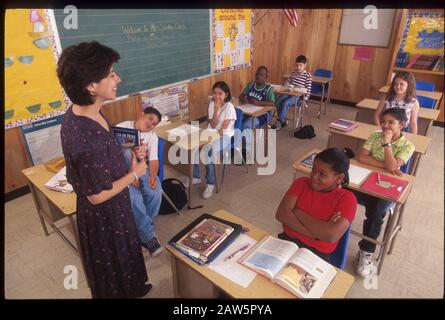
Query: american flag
{"x":292,"y":16}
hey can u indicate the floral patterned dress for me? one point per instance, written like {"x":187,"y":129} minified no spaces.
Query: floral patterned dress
{"x":109,"y":241}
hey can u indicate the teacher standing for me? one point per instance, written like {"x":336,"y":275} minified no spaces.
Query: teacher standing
{"x":95,"y":167}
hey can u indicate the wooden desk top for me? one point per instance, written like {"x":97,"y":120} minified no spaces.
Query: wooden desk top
{"x":38,"y":176}
{"x":316,"y":79}
{"x":306,"y":170}
{"x":261,"y":287}
{"x":190,"y":142}
{"x":435,"y":95}
{"x":263,"y":110}
{"x":364,"y":130}
{"x":424,"y":113}
{"x":283,"y":90}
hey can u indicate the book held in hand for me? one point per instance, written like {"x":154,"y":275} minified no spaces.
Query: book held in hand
{"x":343,"y":125}
{"x":298,"y":270}
{"x":385,"y":185}
{"x":205,"y":238}
{"x":126,"y":137}
{"x":59,"y":182}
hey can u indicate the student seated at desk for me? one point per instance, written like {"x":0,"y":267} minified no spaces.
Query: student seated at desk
{"x":258,"y":93}
{"x":146,"y":193}
{"x":401,"y":94}
{"x":222,"y":116}
{"x":316,"y":211}
{"x":298,"y":78}
{"x":388,"y":150}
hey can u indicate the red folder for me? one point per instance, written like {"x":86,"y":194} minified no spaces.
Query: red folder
{"x":389,"y":187}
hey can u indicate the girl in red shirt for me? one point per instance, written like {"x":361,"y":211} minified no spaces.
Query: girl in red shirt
{"x":316,"y":211}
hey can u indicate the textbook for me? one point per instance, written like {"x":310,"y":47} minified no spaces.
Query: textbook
{"x":343,"y":125}
{"x":309,"y":160}
{"x":205,"y":238}
{"x":126,"y":137}
{"x":59,"y":182}
{"x":298,"y":270}
{"x":385,"y":185}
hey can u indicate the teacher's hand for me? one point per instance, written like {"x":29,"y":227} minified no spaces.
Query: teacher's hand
{"x":138,"y":167}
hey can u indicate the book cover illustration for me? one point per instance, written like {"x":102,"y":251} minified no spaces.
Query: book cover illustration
{"x":309,"y":161}
{"x":126,"y":137}
{"x":205,"y":235}
{"x":385,"y":185}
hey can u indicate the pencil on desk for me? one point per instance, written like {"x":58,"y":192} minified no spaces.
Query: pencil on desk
{"x":378,"y":178}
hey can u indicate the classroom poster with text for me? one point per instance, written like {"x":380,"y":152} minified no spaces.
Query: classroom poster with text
{"x":232,"y":39}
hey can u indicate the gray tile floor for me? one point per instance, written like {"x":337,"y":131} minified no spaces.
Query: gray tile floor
{"x":34,"y":264}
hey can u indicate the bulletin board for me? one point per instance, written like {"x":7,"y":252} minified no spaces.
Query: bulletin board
{"x":353,"y":32}
{"x":32,"y":90}
{"x":423,"y":34}
{"x":232,"y":39}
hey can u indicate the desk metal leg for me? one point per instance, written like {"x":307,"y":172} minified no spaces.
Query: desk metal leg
{"x":321,"y":102}
{"x":189,"y":200}
{"x":38,"y":208}
{"x":399,"y":228}
{"x":392,"y":229}
{"x":328,"y":99}
{"x":174,"y":277}
{"x":415,"y":163}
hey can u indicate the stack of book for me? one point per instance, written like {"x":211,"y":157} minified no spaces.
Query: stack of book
{"x":205,"y":238}
{"x":385,"y":185}
{"x":401,"y":59}
{"x":343,"y":125}
{"x":426,"y":62}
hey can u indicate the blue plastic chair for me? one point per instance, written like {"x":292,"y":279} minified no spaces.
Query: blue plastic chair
{"x":317,"y":89}
{"x":235,"y":144}
{"x":339,"y":256}
{"x":425,"y":102}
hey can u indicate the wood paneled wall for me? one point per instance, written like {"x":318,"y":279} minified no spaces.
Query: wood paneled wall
{"x":276,"y":44}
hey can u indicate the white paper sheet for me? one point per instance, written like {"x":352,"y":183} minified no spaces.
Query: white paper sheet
{"x":226,"y":45}
{"x":357,"y":174}
{"x":249,"y":108}
{"x":183,"y":130}
{"x":219,"y":30}
{"x":226,"y":263}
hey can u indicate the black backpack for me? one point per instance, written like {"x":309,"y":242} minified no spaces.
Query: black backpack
{"x":175,"y":190}
{"x":306,"y":132}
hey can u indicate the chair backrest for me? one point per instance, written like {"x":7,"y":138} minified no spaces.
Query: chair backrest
{"x":339,"y":255}
{"x":161,"y":144}
{"x":406,"y":166}
{"x":425,"y":102}
{"x":316,"y":87}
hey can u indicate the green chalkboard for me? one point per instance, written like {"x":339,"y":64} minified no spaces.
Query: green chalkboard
{"x":157,"y":47}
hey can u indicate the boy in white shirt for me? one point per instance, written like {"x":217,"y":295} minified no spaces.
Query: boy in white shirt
{"x":146,"y":195}
{"x":222,"y":116}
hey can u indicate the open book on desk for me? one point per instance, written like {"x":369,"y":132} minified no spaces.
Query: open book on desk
{"x":296,"y":269}
{"x":249,"y":108}
{"x":59,"y":182}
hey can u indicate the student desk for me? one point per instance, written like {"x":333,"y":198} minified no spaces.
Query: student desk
{"x":53,"y":206}
{"x":191,"y":280}
{"x":367,"y":108}
{"x":355,"y":139}
{"x":298,"y":119}
{"x":435,"y":95}
{"x":190,"y":145}
{"x":323,"y":81}
{"x":394,"y":223}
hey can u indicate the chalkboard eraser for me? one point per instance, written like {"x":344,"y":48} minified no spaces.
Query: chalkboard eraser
{"x":134,"y":94}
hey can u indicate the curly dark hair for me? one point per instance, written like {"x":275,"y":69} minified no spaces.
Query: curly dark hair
{"x":82,"y":64}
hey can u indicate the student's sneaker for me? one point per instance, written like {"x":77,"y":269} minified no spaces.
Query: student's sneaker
{"x":208,"y":191}
{"x":153,"y":246}
{"x":364,"y":266}
{"x":279,"y":124}
{"x":194,"y":181}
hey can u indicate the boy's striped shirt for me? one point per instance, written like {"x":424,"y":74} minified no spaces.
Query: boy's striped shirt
{"x":301,"y":79}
